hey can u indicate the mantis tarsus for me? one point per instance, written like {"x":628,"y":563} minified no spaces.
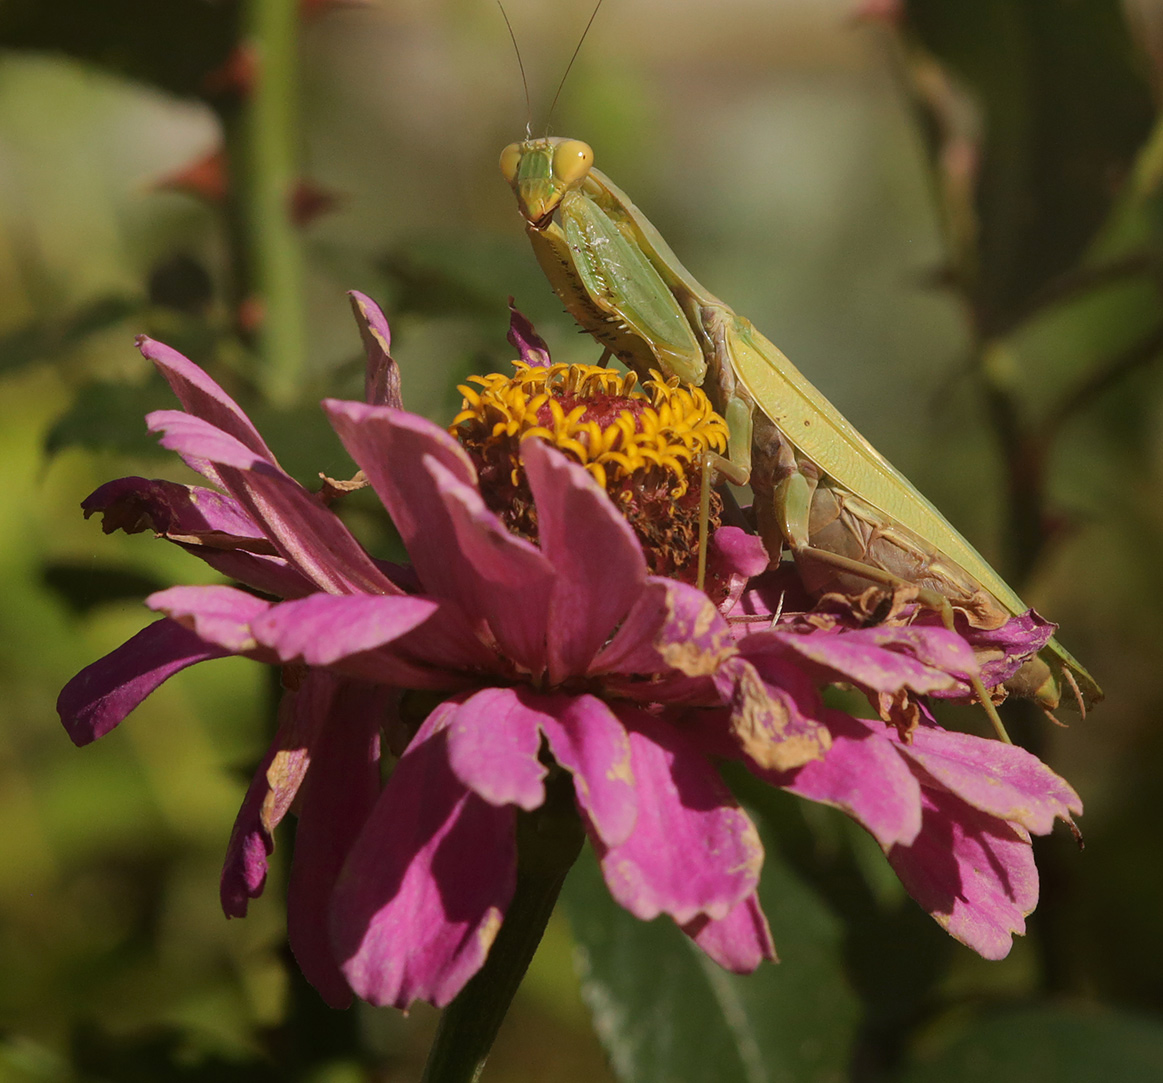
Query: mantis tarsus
{"x":849,"y":517}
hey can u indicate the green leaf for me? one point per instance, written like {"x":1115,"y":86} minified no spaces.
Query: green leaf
{"x":664,"y":1011}
{"x":1048,"y":1044}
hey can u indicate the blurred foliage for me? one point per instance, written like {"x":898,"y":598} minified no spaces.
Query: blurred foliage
{"x":948,"y":213}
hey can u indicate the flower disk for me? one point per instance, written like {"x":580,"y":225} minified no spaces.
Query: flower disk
{"x":644,"y":447}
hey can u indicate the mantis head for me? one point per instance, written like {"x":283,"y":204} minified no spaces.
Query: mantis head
{"x":542,"y":171}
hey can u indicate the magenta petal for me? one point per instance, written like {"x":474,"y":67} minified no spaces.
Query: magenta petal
{"x":133,"y":504}
{"x":244,"y":870}
{"x":526,"y":341}
{"x":973,"y":872}
{"x":219,"y":615}
{"x":381,"y":384}
{"x":275,"y":785}
{"x":103,"y":693}
{"x":863,"y":774}
{"x":493,"y":740}
{"x":337,"y":797}
{"x":512,"y":582}
{"x":194,"y":438}
{"x":312,"y":538}
{"x":460,"y":549}
{"x":425,"y":888}
{"x":693,"y":851}
{"x":598,"y":560}
{"x":322,"y":628}
{"x":999,"y":779}
{"x":589,"y":741}
{"x":881,"y":659}
{"x":202,"y":397}
{"x":740,"y":941}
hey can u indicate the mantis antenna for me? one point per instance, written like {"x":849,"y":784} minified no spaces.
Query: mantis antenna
{"x":521,"y":66}
{"x":569,"y":66}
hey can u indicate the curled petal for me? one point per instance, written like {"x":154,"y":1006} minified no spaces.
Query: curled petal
{"x":381,"y":382}
{"x":598,"y":560}
{"x":973,"y":872}
{"x":202,"y":397}
{"x":693,"y":851}
{"x":103,"y":693}
{"x":337,"y":797}
{"x":526,"y":341}
{"x":999,"y":779}
{"x":219,"y":615}
{"x":424,"y":889}
{"x":740,"y":941}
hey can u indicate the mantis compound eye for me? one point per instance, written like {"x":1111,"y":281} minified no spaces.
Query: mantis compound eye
{"x":510,"y":159}
{"x":572,"y":160}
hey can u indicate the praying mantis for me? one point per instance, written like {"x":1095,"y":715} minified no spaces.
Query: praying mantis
{"x":849,"y":518}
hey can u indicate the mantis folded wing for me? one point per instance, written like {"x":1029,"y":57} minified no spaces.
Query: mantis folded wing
{"x":849,"y":517}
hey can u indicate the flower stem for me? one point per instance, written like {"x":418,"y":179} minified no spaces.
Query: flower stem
{"x":548,"y":842}
{"x":271,"y":175}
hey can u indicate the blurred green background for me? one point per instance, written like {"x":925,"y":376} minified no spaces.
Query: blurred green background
{"x":946,"y":212}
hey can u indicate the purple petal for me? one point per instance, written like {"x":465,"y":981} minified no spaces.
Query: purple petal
{"x":1002,"y":651}
{"x":768,"y":722}
{"x":589,"y":741}
{"x":512,"y":587}
{"x":312,"y":538}
{"x":103,"y":693}
{"x":526,"y":341}
{"x":864,"y":775}
{"x":880,"y":659}
{"x":337,"y":797}
{"x":322,"y":628}
{"x":244,"y":869}
{"x":973,"y":872}
{"x":998,"y":779}
{"x":382,"y":380}
{"x":740,"y":941}
{"x":632,"y":650}
{"x":202,"y":397}
{"x":268,"y":574}
{"x":693,"y":851}
{"x":493,"y":740}
{"x":272,"y":789}
{"x":426,"y":885}
{"x":598,"y":560}
{"x":461,"y":550}
{"x":403,"y":640}
{"x":195,"y":439}
{"x":134,"y":504}
{"x":219,"y":615}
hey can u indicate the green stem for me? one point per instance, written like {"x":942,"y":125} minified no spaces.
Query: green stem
{"x":272,"y":127}
{"x":548,"y":842}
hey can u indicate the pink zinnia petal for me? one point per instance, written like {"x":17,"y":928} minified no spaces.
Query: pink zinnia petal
{"x":337,"y":797}
{"x":999,"y":779}
{"x":589,"y":740}
{"x":219,"y":615}
{"x":494,"y":737}
{"x":740,"y":941}
{"x":381,"y":383}
{"x":693,"y":851}
{"x":973,"y":872}
{"x":202,"y":397}
{"x":426,"y":885}
{"x":103,"y":693}
{"x":598,"y":560}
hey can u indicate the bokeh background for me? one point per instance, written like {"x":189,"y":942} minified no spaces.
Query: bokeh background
{"x":947,"y":212}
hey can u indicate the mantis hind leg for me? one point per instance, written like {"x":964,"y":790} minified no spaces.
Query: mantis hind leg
{"x":931,"y":599}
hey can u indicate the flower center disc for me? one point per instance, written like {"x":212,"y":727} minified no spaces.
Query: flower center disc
{"x":644,"y":447}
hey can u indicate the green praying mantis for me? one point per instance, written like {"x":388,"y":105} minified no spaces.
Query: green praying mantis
{"x":849,"y":518}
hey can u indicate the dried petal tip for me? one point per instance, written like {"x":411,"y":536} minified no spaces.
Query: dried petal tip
{"x":644,"y":447}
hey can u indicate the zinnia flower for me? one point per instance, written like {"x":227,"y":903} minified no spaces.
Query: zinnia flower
{"x":528,"y":647}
